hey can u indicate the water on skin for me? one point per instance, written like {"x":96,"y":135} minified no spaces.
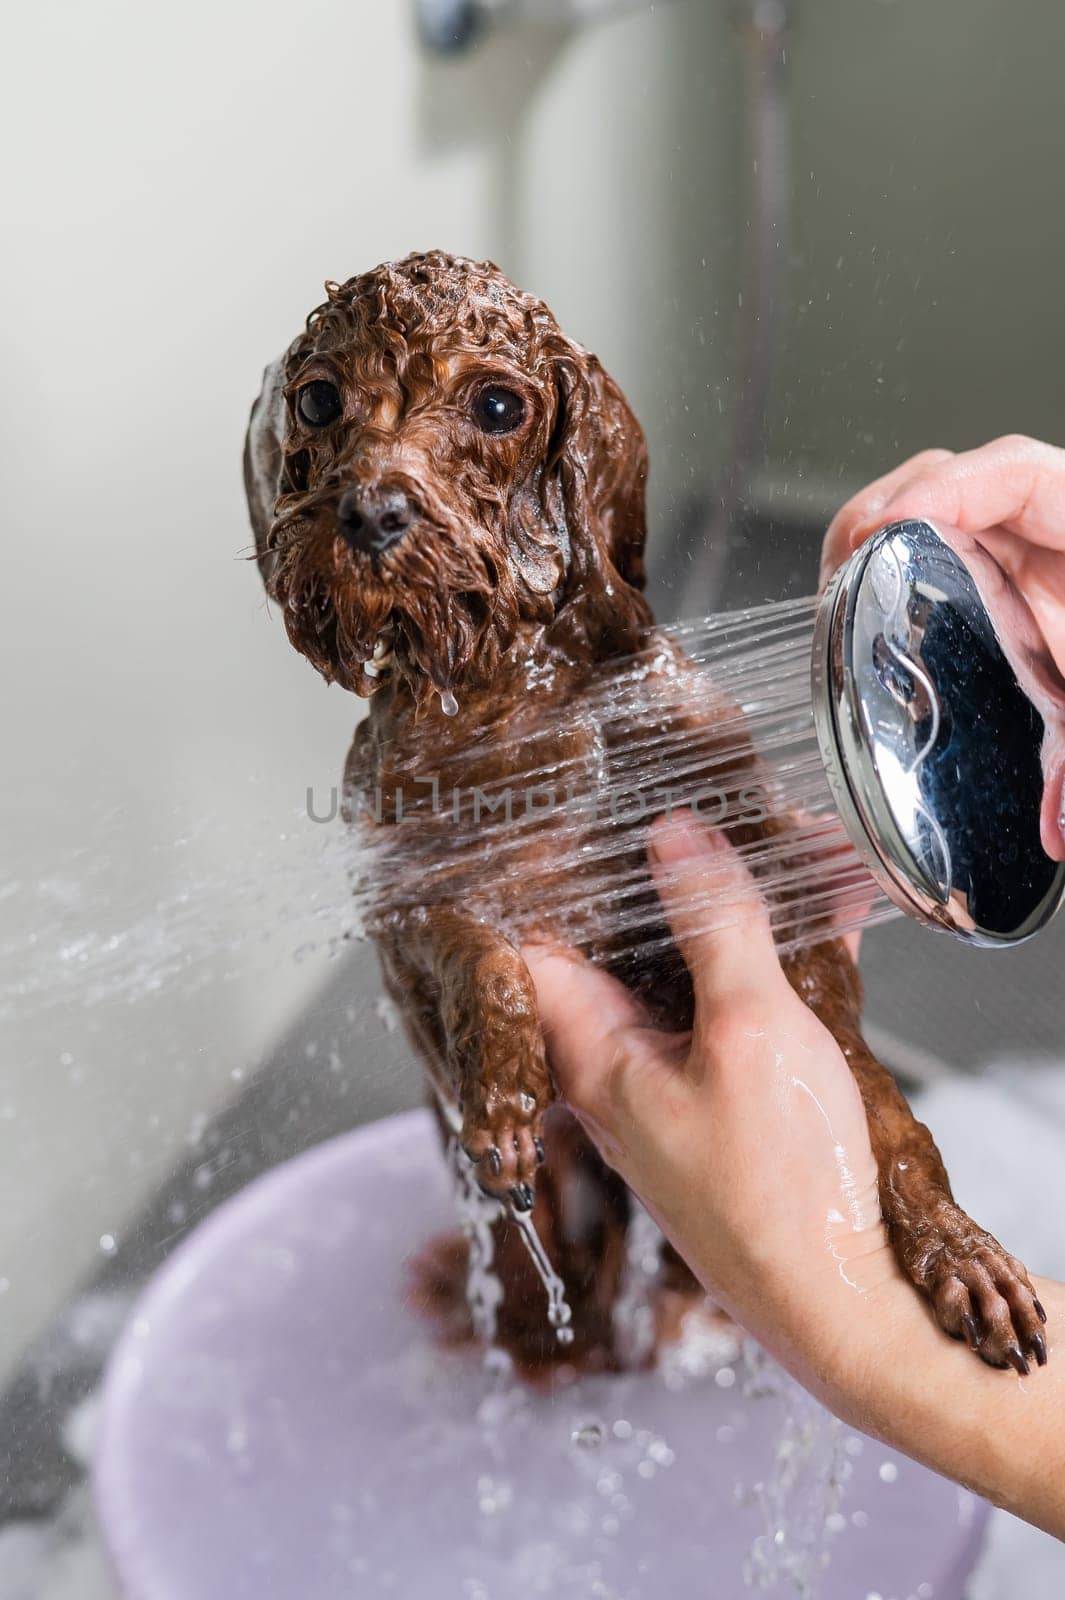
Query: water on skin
{"x":854,"y":1227}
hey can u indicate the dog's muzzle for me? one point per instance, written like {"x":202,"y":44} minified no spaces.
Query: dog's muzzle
{"x":372,"y":519}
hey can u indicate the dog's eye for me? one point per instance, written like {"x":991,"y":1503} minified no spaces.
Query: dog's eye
{"x":498,"y":410}
{"x":319,"y":403}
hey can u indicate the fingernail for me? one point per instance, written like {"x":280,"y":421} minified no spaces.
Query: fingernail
{"x":1038,"y":1344}
{"x":685,"y":839}
{"x":537,"y":951}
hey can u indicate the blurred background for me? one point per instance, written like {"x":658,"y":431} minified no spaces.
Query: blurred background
{"x":808,"y":240}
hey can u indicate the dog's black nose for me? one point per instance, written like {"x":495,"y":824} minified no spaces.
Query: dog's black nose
{"x":371,"y":519}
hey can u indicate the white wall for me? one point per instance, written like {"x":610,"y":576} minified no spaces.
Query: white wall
{"x":185,"y":178}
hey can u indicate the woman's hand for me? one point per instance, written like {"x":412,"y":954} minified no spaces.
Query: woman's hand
{"x":746,"y":1139}
{"x":1011,"y":492}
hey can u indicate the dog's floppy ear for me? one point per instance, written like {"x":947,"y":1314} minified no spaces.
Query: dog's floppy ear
{"x":598,"y":464}
{"x":263,"y":461}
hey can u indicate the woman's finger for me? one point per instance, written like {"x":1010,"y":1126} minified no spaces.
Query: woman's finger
{"x":716,"y":915}
{"x":607,"y":1060}
{"x":863,"y":513}
{"x":1014,"y":483}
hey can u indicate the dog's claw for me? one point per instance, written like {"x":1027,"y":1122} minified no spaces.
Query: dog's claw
{"x":522,"y":1197}
{"x":979,"y":1289}
{"x":1039,"y":1348}
{"x":1040,"y":1313}
{"x":505,"y":1149}
{"x":1017,"y":1361}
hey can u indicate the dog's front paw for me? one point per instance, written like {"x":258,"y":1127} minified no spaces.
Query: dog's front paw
{"x":502,"y":1137}
{"x":982,"y":1294}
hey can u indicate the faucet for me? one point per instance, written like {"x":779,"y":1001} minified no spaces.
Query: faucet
{"x":449,"y":27}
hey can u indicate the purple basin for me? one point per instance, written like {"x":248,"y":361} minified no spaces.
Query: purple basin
{"x":276,"y":1425}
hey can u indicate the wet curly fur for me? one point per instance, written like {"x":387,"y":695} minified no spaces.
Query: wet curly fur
{"x":518,"y":571}
{"x":507,"y":528}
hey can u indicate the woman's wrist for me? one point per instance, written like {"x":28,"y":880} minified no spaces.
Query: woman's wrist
{"x":868,"y":1348}
{"x":899,"y":1380}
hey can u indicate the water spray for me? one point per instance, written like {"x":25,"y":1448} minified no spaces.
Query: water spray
{"x":895,"y":745}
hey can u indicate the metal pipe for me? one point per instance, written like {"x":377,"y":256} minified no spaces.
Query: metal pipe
{"x":765,"y":26}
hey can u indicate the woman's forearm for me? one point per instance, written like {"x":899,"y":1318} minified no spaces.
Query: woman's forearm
{"x":999,"y":1434}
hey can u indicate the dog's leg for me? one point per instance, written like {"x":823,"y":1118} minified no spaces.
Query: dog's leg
{"x":470,"y":1011}
{"x":474,"y":999}
{"x":978,"y":1291}
{"x":580,"y":1214}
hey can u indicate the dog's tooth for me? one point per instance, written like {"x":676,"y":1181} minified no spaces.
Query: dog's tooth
{"x":372,"y":669}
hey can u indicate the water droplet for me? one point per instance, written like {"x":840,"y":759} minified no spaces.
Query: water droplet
{"x":108,"y":1244}
{"x":622,"y":1429}
{"x":237,"y":1440}
{"x":588,"y":1436}
{"x":448,"y":704}
{"x":493,"y":1495}
{"x":724,"y":1377}
{"x":386,"y":1013}
{"x":559,"y":1313}
{"x":888,"y":1472}
{"x":498,"y":1364}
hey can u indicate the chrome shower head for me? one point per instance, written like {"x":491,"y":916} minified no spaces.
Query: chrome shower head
{"x":940,"y":715}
